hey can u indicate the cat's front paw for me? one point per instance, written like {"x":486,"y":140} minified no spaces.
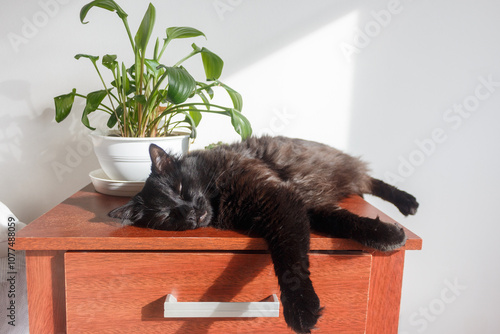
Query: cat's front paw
{"x":407,"y":204}
{"x":301,"y":310}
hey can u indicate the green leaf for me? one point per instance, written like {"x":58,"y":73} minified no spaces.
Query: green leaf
{"x":160,"y":96}
{"x":141,"y":99}
{"x":105,"y":4}
{"x":195,"y":115}
{"x":63,"y":105}
{"x":153,"y":67}
{"x":180,"y":84}
{"x":129,"y":85}
{"x":192,"y":123}
{"x":125,"y":82}
{"x":157,"y":45}
{"x":207,"y":88}
{"x":93,"y":59}
{"x":212,"y":63}
{"x":112,"y":120}
{"x":110,"y":62}
{"x":235,"y":97}
{"x":240,"y":123}
{"x":145,"y":29}
{"x":94,"y":99}
{"x":183,"y":32}
{"x":131,"y":72}
{"x":204,"y":99}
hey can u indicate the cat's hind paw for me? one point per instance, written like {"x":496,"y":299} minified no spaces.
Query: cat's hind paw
{"x":387,"y":237}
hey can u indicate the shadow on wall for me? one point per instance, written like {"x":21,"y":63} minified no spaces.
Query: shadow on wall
{"x":13,"y":141}
{"x":38,"y":156}
{"x":260,"y":28}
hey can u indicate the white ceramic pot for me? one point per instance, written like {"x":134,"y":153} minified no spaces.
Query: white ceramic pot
{"x":127,"y":158}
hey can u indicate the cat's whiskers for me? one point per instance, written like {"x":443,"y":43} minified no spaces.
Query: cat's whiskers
{"x":204,"y":192}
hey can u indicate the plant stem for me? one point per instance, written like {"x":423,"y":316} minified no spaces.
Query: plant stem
{"x":80,"y":95}
{"x":224,"y":109}
{"x":123,"y":86}
{"x":206,"y":86}
{"x":108,"y":109}
{"x":138,"y":88}
{"x":125,"y":22}
{"x":167,"y":41}
{"x":104,"y":84}
{"x":186,"y":58}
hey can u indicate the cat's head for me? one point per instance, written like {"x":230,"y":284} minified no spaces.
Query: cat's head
{"x":172,"y":197}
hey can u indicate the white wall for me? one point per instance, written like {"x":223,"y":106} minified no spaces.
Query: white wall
{"x":381,"y":79}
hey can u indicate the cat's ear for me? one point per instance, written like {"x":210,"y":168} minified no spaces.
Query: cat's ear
{"x":161,"y":162}
{"x":125,"y":212}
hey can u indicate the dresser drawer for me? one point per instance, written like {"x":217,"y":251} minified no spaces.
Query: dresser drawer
{"x":124,"y":292}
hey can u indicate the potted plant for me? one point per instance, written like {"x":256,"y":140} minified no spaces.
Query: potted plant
{"x":148,"y":100}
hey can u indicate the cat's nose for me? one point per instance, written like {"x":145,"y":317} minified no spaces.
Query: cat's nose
{"x":185,"y":210}
{"x":189,"y":217}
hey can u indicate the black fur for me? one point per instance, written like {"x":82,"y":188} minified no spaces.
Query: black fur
{"x":275,"y":187}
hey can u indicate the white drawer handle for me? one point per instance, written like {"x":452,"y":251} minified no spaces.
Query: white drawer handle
{"x":174,"y":309}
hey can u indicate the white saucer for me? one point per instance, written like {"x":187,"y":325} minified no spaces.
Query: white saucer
{"x":104,"y":185}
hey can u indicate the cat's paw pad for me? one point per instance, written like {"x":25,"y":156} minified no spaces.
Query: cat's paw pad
{"x":407,"y":204}
{"x":389,"y":237}
{"x":301,"y":310}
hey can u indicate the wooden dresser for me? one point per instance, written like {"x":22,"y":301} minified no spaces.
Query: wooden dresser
{"x":88,"y":274}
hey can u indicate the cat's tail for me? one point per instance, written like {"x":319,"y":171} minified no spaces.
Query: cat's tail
{"x":405,"y":202}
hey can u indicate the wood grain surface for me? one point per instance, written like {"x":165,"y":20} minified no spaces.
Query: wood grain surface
{"x":124,"y":292}
{"x":46,"y":295}
{"x":385,"y":292}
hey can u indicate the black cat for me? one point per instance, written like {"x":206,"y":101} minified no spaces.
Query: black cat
{"x":275,"y":187}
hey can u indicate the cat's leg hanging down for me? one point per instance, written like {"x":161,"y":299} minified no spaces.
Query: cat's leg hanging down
{"x":370,"y":232}
{"x":281,"y":219}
